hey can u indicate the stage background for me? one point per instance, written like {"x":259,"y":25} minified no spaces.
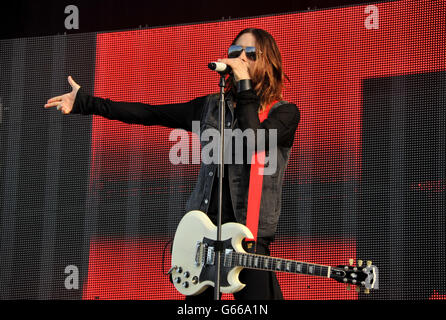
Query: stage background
{"x":366,"y":177}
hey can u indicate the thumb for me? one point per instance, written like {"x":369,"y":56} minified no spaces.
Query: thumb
{"x":73,"y":84}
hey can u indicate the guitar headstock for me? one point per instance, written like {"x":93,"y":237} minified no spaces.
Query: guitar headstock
{"x":363,"y":276}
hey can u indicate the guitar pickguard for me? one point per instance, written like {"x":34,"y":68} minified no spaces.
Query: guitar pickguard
{"x":209,"y":269}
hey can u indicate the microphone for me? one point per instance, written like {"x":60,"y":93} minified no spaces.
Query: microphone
{"x":220,"y":67}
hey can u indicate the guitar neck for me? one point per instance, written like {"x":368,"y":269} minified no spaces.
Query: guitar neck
{"x":260,"y":262}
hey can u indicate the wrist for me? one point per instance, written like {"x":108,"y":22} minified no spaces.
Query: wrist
{"x":244,"y":84}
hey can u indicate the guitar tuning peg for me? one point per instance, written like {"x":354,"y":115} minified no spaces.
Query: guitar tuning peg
{"x":350,"y":261}
{"x":369,"y":263}
{"x":359,"y":263}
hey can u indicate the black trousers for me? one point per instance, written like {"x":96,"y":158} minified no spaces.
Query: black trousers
{"x":260,"y":285}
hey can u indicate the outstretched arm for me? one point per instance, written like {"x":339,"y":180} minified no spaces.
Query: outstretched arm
{"x":178,"y":115}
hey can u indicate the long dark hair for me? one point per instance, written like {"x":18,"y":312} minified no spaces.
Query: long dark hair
{"x":267,"y":76}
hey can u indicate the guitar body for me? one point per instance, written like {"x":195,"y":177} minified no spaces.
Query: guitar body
{"x":192,"y":273}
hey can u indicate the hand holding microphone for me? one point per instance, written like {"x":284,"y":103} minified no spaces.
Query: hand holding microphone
{"x":237,"y":66}
{"x":220,"y":67}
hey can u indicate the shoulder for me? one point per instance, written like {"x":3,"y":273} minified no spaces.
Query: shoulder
{"x":285,"y":107}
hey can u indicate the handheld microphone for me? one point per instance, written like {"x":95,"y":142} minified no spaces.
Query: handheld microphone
{"x":220,"y":67}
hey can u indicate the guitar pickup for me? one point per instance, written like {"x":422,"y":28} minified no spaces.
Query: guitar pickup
{"x":210,"y":257}
{"x":228,"y":258}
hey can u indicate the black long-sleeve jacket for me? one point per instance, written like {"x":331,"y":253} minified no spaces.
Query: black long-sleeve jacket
{"x":282,"y":121}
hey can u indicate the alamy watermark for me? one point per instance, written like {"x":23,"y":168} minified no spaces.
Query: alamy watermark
{"x":72,"y":280}
{"x":238,"y":144}
{"x":371,"y":22}
{"x":72,"y":20}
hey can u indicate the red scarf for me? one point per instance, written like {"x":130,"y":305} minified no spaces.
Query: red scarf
{"x":255,"y":183}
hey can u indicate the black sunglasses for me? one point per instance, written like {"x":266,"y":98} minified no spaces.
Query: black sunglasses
{"x":235,"y":51}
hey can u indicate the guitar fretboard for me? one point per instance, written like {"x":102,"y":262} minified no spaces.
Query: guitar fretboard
{"x":252,"y":261}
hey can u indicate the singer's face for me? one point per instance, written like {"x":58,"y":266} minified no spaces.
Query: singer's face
{"x":246,"y":40}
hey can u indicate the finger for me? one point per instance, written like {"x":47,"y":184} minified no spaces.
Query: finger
{"x":65,"y":110}
{"x":52,"y":104}
{"x":58,"y":98}
{"x":73,"y":84}
{"x":233,"y":62}
{"x":227,"y":61}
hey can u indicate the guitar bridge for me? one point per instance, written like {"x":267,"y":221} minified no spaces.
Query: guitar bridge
{"x":200,"y":253}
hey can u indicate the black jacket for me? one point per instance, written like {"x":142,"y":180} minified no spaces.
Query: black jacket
{"x":284,"y":119}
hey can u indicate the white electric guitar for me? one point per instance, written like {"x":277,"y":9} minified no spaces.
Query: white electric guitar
{"x":193,"y":259}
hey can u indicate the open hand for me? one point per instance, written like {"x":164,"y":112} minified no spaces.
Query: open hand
{"x":65,"y":102}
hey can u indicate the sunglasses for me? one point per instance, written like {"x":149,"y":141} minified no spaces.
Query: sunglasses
{"x":235,"y":51}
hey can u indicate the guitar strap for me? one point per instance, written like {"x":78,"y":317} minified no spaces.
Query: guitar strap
{"x":256,"y":180}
